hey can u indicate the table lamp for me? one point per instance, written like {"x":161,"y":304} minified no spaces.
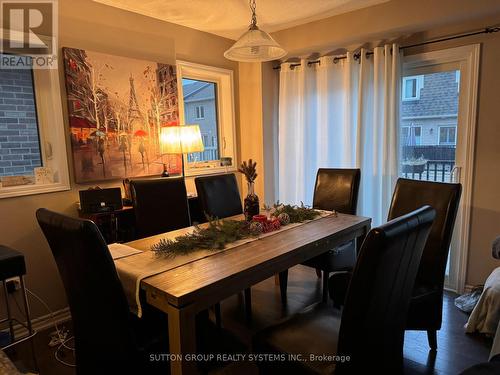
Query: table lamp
{"x":183,"y":139}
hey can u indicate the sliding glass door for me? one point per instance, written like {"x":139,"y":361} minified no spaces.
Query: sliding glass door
{"x":436,"y":133}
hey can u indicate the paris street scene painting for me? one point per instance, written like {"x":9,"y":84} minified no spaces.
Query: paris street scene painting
{"x":117,"y":107}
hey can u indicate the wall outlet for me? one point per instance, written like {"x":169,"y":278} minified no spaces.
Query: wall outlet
{"x":13,"y":284}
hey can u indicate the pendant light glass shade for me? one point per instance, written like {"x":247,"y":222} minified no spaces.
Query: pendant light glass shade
{"x":253,"y":46}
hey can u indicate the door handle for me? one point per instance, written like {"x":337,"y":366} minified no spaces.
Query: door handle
{"x":456,"y":174}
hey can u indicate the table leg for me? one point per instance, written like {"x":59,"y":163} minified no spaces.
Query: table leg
{"x":182,"y":340}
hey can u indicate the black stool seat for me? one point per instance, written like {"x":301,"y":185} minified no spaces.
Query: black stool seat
{"x":11,"y":263}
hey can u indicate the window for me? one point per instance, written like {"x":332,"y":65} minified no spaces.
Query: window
{"x":32,"y":138}
{"x":411,"y":87}
{"x":207,"y":94}
{"x":448,"y":135}
{"x":200,"y":112}
{"x":19,"y":138}
{"x":411,"y":135}
{"x":457,"y":79}
{"x":196,"y":91}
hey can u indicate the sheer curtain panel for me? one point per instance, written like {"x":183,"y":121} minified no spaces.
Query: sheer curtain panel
{"x":341,"y":115}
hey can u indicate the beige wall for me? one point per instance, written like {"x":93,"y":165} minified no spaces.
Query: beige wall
{"x":259,"y":126}
{"x":410,"y":22}
{"x":250,"y":79}
{"x":88,"y":25}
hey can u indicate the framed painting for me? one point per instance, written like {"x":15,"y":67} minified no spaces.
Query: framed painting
{"x":117,"y":107}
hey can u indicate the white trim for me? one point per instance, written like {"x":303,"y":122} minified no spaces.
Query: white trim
{"x":225,"y":113}
{"x":467,"y":60}
{"x":52,"y":135}
{"x":43,"y":322}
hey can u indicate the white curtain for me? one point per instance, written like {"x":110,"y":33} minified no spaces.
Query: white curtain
{"x":341,"y":115}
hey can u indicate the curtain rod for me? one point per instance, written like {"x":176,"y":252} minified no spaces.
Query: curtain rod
{"x":357,"y":55}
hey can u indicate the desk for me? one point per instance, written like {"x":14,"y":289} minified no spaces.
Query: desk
{"x":184,"y":291}
{"x":119,"y":225}
{"x":115,"y":226}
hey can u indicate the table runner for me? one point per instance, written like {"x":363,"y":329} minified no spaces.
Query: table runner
{"x":133,"y":269}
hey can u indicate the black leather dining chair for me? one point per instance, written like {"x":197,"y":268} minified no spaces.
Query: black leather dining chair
{"x":425,"y":313}
{"x":370,"y":330}
{"x":220,"y":198}
{"x":108,"y":339}
{"x":426,"y":304}
{"x":160,"y":205}
{"x":335,"y":190}
{"x":219,"y":195}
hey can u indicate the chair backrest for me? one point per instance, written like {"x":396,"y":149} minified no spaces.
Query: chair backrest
{"x":160,"y":205}
{"x":219,"y":195}
{"x":337,"y":189}
{"x":378,"y":297}
{"x":444,"y":198}
{"x":99,"y":309}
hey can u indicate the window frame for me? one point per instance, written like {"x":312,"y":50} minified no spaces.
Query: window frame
{"x":226,"y":126}
{"x":51,"y":133}
{"x":419,"y":83}
{"x":454,"y":143}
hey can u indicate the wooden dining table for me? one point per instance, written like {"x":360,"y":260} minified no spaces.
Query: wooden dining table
{"x":187,"y":289}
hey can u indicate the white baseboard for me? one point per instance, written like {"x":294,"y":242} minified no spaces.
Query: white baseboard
{"x":43,"y":322}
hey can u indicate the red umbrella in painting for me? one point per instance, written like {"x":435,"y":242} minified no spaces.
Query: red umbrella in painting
{"x":140,"y":133}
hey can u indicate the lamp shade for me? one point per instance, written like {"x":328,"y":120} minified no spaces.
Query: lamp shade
{"x":253,"y":46}
{"x":181,"y":139}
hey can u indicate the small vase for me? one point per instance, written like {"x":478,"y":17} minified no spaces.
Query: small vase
{"x":251,"y":203}
{"x":165,"y":171}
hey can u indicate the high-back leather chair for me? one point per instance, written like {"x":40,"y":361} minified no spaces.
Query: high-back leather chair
{"x":335,"y":190}
{"x":427,"y":301}
{"x":160,"y":205}
{"x":219,"y":195}
{"x":370,"y":330}
{"x":96,"y":299}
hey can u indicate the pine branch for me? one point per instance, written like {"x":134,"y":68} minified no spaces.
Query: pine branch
{"x":214,"y":237}
{"x":218,"y":233}
{"x":297,"y":214}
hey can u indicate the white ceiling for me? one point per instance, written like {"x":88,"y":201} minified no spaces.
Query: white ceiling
{"x":230,"y":18}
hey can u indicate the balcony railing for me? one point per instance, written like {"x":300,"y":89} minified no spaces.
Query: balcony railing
{"x":433,"y":170}
{"x":209,"y":154}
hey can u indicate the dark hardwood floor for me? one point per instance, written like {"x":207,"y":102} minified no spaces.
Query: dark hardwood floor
{"x":456,"y":350}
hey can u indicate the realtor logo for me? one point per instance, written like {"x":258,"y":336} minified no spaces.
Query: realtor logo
{"x":28,"y":34}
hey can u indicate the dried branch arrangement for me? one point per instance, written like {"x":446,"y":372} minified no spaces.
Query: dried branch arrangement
{"x":249,"y":170}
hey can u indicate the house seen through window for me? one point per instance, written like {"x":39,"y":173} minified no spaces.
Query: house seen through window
{"x":428,"y":127}
{"x":200,"y":108}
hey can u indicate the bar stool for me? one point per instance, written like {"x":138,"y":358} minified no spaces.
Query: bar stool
{"x":12,"y":265}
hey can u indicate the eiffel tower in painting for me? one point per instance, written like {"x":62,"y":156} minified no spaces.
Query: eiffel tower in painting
{"x":135,"y":117}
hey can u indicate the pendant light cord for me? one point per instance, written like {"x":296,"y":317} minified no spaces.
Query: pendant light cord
{"x":253,"y":8}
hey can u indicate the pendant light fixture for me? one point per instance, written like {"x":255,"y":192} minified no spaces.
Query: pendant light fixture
{"x":255,"y":45}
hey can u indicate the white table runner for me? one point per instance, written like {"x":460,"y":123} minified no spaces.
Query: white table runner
{"x":132,"y":269}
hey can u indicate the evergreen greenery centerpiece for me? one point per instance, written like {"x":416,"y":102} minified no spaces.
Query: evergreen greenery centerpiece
{"x":218,"y":233}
